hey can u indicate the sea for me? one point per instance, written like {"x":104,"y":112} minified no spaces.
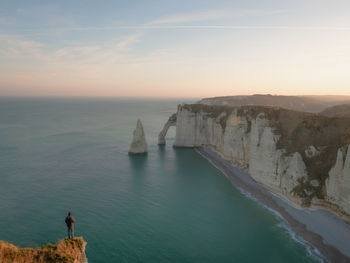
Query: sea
{"x":171,"y":205}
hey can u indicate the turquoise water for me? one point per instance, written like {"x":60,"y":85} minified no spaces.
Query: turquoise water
{"x":172,"y":205}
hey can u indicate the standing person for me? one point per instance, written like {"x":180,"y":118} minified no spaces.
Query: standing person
{"x":70,"y":225}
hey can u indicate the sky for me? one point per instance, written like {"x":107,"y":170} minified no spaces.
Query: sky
{"x":163,"y":48}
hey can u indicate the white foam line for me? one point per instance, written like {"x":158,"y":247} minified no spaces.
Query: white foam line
{"x":312,"y":251}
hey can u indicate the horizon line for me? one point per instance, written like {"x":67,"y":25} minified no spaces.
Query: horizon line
{"x":166,"y":97}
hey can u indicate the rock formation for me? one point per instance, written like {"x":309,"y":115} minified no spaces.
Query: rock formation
{"x":302,"y":156}
{"x":171,"y":122}
{"x":64,"y":251}
{"x":338,"y":182}
{"x":139,"y":144}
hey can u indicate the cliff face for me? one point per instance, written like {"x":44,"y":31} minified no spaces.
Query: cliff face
{"x":338,"y":182}
{"x":301,"y":156}
{"x":64,"y":251}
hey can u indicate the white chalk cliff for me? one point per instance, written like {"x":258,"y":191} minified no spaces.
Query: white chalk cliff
{"x":338,"y":182}
{"x":301,"y":156}
{"x":139,"y":144}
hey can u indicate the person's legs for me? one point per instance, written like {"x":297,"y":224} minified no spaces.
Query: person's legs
{"x":69,"y":232}
{"x":72,"y":232}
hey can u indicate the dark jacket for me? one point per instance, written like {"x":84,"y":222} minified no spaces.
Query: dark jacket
{"x":70,"y":221}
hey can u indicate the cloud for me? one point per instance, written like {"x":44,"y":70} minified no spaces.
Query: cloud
{"x":76,"y":51}
{"x":125,"y":43}
{"x":207,"y":15}
{"x":189,"y":17}
{"x":104,"y":53}
{"x":17,"y":47}
{"x":238,"y":27}
{"x":171,"y":21}
{"x":22,"y":53}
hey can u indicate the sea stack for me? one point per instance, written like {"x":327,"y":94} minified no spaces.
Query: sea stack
{"x":139,"y":144}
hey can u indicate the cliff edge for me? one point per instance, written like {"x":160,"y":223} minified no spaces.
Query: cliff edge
{"x":303,"y":157}
{"x":64,"y":251}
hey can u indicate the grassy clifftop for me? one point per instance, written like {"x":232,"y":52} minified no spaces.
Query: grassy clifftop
{"x":304,"y":103}
{"x":64,"y":251}
{"x":337,"y":111}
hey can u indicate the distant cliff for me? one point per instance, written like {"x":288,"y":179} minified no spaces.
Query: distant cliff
{"x":342,"y":110}
{"x":64,"y":251}
{"x":304,"y":103}
{"x":302,"y":156}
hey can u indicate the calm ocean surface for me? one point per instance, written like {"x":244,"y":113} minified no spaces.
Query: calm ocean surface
{"x":58,"y":155}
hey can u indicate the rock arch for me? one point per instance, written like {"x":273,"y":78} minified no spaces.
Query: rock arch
{"x":171,"y":122}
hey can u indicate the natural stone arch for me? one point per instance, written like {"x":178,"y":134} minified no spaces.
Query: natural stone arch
{"x":171,"y":122}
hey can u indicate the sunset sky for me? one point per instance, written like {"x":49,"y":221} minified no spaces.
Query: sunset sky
{"x":174,"y":48}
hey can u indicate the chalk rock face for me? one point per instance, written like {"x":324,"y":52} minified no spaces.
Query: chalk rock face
{"x":293,"y":153}
{"x":139,"y":144}
{"x":338,"y":182}
{"x":171,"y":122}
{"x":247,"y":141}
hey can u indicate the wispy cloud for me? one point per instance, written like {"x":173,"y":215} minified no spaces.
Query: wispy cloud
{"x":76,"y":51}
{"x":102,"y":54}
{"x":126,"y":42}
{"x":208,"y":15}
{"x":17,"y":47}
{"x":184,"y":20}
{"x":170,"y":21}
{"x":189,"y":17}
{"x":238,"y":27}
{"x":204,"y":26}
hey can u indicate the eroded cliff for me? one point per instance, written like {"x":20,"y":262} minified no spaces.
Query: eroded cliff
{"x":302,"y":156}
{"x":64,"y":251}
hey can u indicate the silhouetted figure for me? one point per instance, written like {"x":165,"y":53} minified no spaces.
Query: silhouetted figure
{"x":70,"y":225}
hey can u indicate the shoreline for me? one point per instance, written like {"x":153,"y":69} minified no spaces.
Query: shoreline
{"x":313,"y":226}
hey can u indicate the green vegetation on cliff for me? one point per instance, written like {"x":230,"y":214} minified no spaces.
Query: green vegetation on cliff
{"x":337,"y":111}
{"x":304,"y":103}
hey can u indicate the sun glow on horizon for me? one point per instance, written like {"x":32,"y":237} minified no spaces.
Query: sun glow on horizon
{"x":290,"y":48}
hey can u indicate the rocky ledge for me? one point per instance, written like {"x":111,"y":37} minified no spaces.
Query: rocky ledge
{"x":64,"y":251}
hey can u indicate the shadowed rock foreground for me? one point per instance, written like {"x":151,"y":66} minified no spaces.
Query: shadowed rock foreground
{"x":64,"y":251}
